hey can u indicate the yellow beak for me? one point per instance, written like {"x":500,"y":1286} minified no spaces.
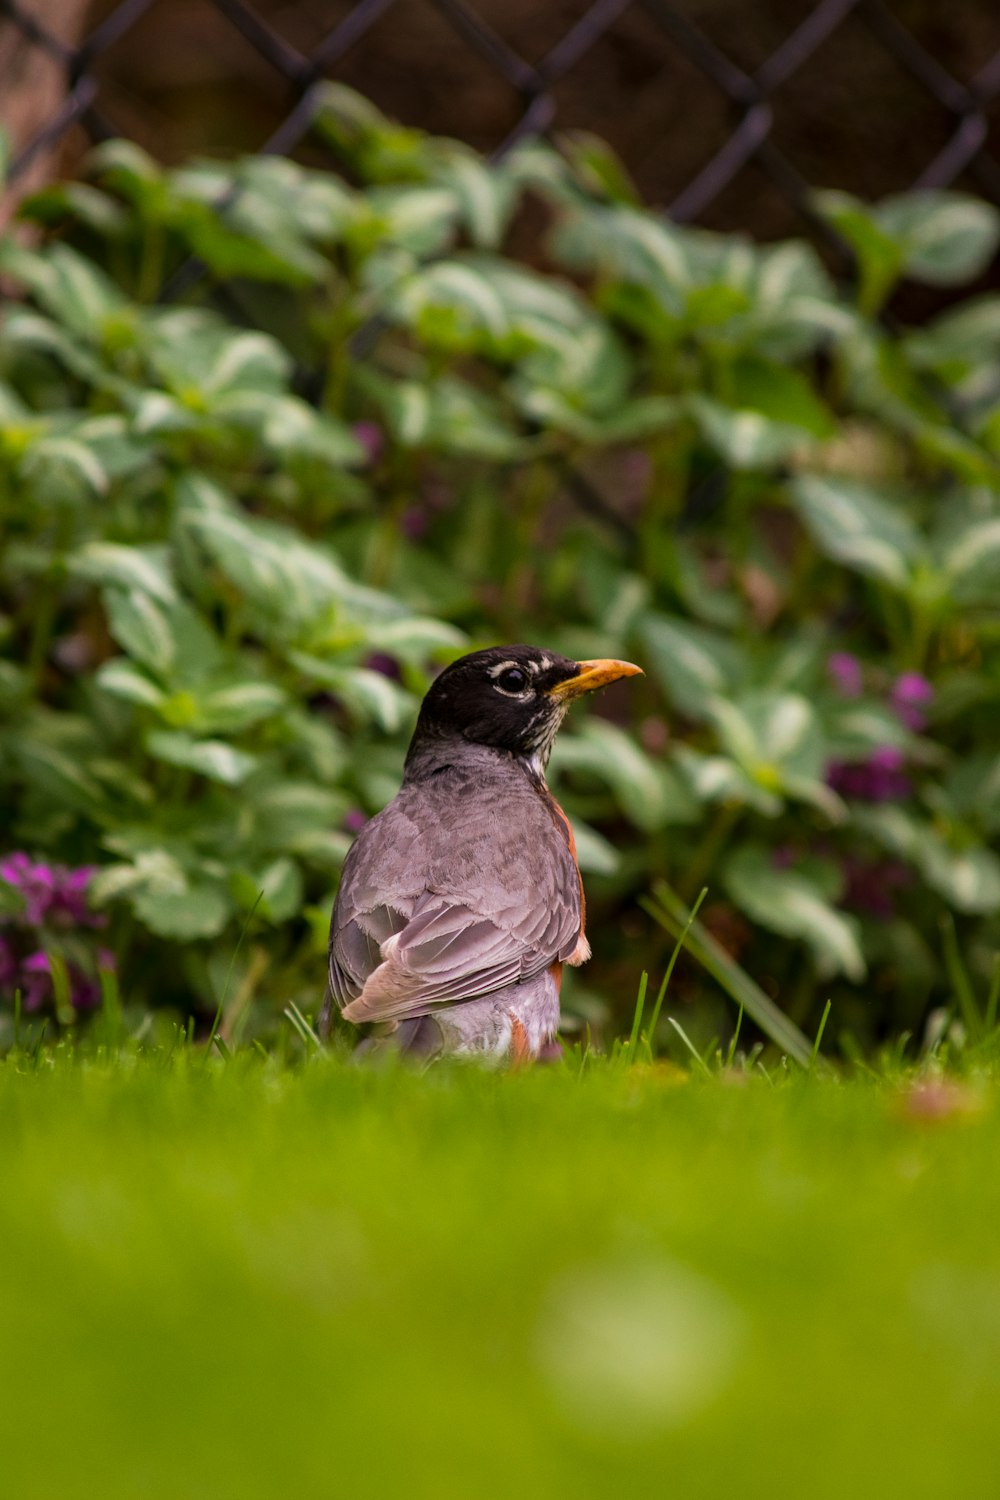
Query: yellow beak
{"x":593,"y":674}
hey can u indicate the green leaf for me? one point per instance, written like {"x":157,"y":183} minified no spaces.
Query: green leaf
{"x":75,"y":200}
{"x":298,"y":817}
{"x":745,"y":439}
{"x":946,"y":238}
{"x":63,"y":470}
{"x":200,"y":910}
{"x":122,"y":680}
{"x":968,"y":879}
{"x":972,"y":790}
{"x":964,"y":336}
{"x":274,"y":566}
{"x":780,"y":394}
{"x":279,"y":885}
{"x":146,"y":569}
{"x":68,"y":286}
{"x":289,"y":427}
{"x":776,"y":739}
{"x":415,"y":640}
{"x":789,"y":902}
{"x":967,"y":876}
{"x":485,"y":195}
{"x":942,"y":238}
{"x":594,"y":854}
{"x":694,"y":663}
{"x":858,"y":527}
{"x":58,"y":776}
{"x":598,"y":168}
{"x":879,"y":257}
{"x":639,"y":418}
{"x":130,"y":171}
{"x":228,"y":709}
{"x":446,"y":415}
{"x":141,"y":625}
{"x":418,"y":219}
{"x":215,"y":759}
{"x":628,"y":245}
{"x":366,"y":693}
{"x":651,"y":795}
{"x":971,"y":560}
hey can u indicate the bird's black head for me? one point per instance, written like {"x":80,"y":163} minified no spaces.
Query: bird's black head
{"x":512,"y":698}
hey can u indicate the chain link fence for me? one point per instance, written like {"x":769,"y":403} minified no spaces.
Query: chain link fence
{"x":737,"y":124}
{"x":754,"y":130}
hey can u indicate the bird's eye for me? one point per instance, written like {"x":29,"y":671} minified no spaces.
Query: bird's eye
{"x":512,"y":680}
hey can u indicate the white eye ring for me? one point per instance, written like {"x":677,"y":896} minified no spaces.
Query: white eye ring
{"x":510,"y":667}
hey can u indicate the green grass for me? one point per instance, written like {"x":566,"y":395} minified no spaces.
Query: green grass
{"x":231,"y":1278}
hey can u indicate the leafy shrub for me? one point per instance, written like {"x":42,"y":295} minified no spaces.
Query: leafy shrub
{"x":246,"y":512}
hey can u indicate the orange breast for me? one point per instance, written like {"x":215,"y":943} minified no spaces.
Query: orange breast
{"x":571,"y":841}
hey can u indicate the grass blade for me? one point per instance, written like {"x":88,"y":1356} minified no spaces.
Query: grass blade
{"x":960,"y":982}
{"x":669,"y":910}
{"x":819,"y":1034}
{"x":678,"y":945}
{"x":640,"y":1001}
{"x":993,"y":997}
{"x":702,"y":1064}
{"x":302,"y":1026}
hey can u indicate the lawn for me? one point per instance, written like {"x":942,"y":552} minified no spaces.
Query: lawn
{"x":242,"y":1278}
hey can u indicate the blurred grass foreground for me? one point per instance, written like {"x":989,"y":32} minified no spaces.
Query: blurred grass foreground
{"x":237,"y":1279}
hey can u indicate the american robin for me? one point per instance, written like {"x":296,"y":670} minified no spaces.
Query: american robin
{"x":461,"y":901}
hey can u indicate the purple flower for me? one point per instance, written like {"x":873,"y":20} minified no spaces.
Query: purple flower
{"x":845,"y":672}
{"x":36,"y":883}
{"x":85,"y":993}
{"x":413,"y":524}
{"x":372,"y":439}
{"x":8,"y":964}
{"x":51,"y":892}
{"x":386,"y":666}
{"x":354,"y":820}
{"x":36,"y":980}
{"x":910,"y":695}
{"x":870,"y":886}
{"x":69,"y":906}
{"x":880,"y":778}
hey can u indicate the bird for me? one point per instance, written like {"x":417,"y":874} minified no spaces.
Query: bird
{"x":460,"y":902}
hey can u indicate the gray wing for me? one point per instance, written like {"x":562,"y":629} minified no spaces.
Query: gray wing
{"x":420,"y":924}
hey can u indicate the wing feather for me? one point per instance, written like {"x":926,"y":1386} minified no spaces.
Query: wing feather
{"x":423,"y":922}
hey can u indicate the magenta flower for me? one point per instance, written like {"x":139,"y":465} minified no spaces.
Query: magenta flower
{"x":372,"y":439}
{"x":880,"y":778}
{"x":911,"y":693}
{"x":870,"y":886}
{"x":36,"y":884}
{"x":8,"y":964}
{"x":54,"y":896}
{"x":36,"y":980}
{"x":845,"y":673}
{"x":51,"y":892}
{"x":384,"y":665}
{"x":413,"y":524}
{"x":70,"y":906}
{"x":354,"y":820}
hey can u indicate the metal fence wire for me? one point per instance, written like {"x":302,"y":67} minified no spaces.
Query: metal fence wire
{"x":752,"y":101}
{"x":966,"y":111}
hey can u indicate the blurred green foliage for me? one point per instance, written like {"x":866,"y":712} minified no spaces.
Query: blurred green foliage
{"x":429,"y":402}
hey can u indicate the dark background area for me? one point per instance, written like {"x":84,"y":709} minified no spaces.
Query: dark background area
{"x":723,"y":111}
